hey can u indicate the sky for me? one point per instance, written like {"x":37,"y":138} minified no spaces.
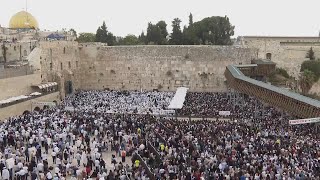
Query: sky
{"x":250,"y":17}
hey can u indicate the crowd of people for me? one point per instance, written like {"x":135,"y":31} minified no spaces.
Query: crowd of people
{"x":108,"y":131}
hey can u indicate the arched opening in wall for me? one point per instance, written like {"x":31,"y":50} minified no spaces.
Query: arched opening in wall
{"x":268,"y":56}
{"x":45,"y":107}
{"x":37,"y":109}
{"x":55,"y":102}
{"x":25,"y":53}
{"x":26,"y":112}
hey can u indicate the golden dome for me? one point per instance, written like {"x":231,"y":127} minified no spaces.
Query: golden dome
{"x":23,"y":20}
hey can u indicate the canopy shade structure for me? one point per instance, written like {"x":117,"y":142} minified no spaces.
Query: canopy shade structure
{"x":13,"y":99}
{"x":35,"y":94}
{"x":47,"y":85}
{"x":179,"y":98}
{"x":55,"y":36}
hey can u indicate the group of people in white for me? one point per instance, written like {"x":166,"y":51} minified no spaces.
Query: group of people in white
{"x":97,"y":139}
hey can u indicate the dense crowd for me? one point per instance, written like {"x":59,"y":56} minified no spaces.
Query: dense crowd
{"x":97,"y":139}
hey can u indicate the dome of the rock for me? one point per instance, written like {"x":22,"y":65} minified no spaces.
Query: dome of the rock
{"x":23,"y":20}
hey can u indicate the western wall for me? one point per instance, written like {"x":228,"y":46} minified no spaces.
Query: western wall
{"x":95,"y":66}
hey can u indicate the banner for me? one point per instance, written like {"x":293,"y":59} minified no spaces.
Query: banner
{"x":304,"y":121}
{"x":43,"y":103}
{"x":224,"y":113}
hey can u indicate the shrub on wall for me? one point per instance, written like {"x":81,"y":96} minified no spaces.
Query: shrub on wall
{"x":112,"y":71}
{"x":160,"y":86}
{"x":203,"y":75}
{"x":313,"y":66}
{"x":282,"y":72}
{"x":169,"y":73}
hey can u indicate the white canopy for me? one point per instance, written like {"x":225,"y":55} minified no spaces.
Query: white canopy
{"x":49,"y":84}
{"x":35,"y":94}
{"x":179,"y":98}
{"x":12,"y":99}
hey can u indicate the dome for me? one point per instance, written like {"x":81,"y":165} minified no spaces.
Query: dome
{"x":23,"y":20}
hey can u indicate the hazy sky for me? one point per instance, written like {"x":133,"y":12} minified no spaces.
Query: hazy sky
{"x":250,"y":17}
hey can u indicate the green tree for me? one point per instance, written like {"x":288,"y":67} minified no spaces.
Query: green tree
{"x":176,"y":35}
{"x":74,"y":32}
{"x":313,"y":66}
{"x":153,"y":34}
{"x":214,"y":30}
{"x":86,"y":37}
{"x":163,"y":31}
{"x":142,"y":38}
{"x":310,"y":54}
{"x":190,"y":20}
{"x":102,"y":33}
{"x":110,"y":39}
{"x":130,"y":39}
{"x":307,"y":79}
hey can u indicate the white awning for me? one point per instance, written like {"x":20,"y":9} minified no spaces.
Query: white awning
{"x":49,"y":84}
{"x":179,"y":98}
{"x":13,"y":99}
{"x":35,"y":94}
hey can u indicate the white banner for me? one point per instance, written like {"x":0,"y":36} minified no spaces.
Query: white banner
{"x":43,"y":103}
{"x":224,"y":113}
{"x":304,"y":121}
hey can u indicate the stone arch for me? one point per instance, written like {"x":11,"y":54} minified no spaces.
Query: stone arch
{"x":37,"y":109}
{"x":55,"y":102}
{"x":45,"y":107}
{"x":26,"y":112}
{"x":25,"y":53}
{"x":268,"y":56}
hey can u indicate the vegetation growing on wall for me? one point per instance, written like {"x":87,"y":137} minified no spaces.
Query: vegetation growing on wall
{"x":310,"y":54}
{"x":169,"y":73}
{"x":313,"y":66}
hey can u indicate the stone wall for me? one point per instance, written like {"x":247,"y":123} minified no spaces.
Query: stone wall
{"x":165,"y":68}
{"x":17,"y":51}
{"x":287,"y":52}
{"x":18,"y":109}
{"x":17,"y":86}
{"x":96,"y":66}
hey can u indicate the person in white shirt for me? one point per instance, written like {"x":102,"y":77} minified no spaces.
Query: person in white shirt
{"x":49,"y":175}
{"x":5,"y":174}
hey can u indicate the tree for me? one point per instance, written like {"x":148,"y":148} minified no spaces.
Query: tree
{"x":176,"y":35}
{"x":310,"y":54}
{"x":313,"y":66}
{"x":102,"y":33}
{"x":74,"y":32}
{"x":190,"y":20}
{"x":130,"y":39}
{"x":142,"y":38}
{"x":86,"y":37}
{"x":163,"y":31}
{"x":153,"y":34}
{"x":214,"y":30}
{"x":306,"y":81}
{"x":110,"y":39}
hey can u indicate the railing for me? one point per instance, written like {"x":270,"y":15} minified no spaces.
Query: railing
{"x":145,"y":166}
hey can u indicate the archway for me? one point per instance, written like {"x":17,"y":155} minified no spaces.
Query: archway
{"x":26,"y":112}
{"x":37,"y":109}
{"x":55,"y":102}
{"x":268,"y":56}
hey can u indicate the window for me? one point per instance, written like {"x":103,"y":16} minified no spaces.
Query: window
{"x":69,"y":64}
{"x":77,"y":64}
{"x":64,"y":50}
{"x":25,"y":53}
{"x":268,"y":56}
{"x":61,"y":66}
{"x":15,"y":48}
{"x":50,"y":66}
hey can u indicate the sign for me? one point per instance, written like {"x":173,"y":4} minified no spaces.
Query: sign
{"x":224,"y":113}
{"x":44,"y":103}
{"x":304,"y":121}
